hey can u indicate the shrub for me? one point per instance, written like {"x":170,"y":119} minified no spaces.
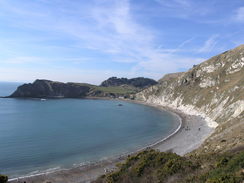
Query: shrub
{"x":224,"y":179}
{"x":154,"y":166}
{"x":3,"y":178}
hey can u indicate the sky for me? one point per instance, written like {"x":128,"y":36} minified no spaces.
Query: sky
{"x":89,"y":41}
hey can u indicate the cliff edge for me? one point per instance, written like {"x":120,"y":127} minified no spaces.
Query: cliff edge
{"x":213,"y":89}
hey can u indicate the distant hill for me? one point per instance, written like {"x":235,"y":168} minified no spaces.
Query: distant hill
{"x":138,"y":82}
{"x":46,"y":88}
{"x":113,"y":87}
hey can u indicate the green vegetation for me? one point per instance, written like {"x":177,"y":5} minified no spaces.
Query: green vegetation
{"x":3,"y":178}
{"x":123,"y":89}
{"x":229,"y":169}
{"x":139,"y":82}
{"x":117,"y":89}
{"x":114,"y":90}
{"x":154,"y":166}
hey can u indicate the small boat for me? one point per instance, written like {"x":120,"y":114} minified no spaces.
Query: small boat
{"x":120,"y":104}
{"x":43,"y":99}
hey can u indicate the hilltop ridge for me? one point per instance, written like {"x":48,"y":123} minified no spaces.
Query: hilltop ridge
{"x":113,"y":87}
{"x":139,"y":82}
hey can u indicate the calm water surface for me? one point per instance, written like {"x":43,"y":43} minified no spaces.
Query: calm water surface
{"x":7,"y":88}
{"x":38,"y":135}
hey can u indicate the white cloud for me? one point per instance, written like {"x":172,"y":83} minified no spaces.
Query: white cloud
{"x":162,"y":64}
{"x":107,"y":27}
{"x":209,"y":45}
{"x":175,"y":3}
{"x":239,"y":16}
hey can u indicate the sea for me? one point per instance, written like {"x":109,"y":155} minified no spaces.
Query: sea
{"x":38,"y":135}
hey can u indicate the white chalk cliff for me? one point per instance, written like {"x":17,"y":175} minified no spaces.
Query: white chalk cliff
{"x":213,"y":89}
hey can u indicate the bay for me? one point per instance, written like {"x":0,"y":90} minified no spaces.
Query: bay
{"x":37,"y":135}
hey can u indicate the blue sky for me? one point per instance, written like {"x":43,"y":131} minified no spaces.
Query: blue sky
{"x":89,"y":41}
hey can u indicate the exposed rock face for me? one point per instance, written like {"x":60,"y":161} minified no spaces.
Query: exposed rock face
{"x":213,"y":89}
{"x":46,"y":88}
{"x":139,"y":82}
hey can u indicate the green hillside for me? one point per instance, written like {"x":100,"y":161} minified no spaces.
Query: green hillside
{"x":153,"y":166}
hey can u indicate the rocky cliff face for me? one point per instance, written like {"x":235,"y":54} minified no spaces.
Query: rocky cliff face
{"x":46,"y":88}
{"x":213,"y":89}
{"x":139,"y":82}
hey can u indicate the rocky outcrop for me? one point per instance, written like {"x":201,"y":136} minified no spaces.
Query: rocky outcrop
{"x":51,"y":89}
{"x":139,"y":82}
{"x":213,"y":89}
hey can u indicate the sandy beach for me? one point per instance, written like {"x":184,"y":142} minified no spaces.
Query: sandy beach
{"x":189,"y":135}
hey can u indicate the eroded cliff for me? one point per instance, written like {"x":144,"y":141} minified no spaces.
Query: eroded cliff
{"x":213,"y":89}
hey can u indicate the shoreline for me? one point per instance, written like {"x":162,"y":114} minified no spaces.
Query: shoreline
{"x":89,"y":172}
{"x":195,"y":129}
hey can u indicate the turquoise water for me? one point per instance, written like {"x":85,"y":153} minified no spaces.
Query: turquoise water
{"x":38,"y":135}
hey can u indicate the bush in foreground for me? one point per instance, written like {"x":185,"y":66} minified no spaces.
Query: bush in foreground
{"x":3,"y":178}
{"x":152,"y":166}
